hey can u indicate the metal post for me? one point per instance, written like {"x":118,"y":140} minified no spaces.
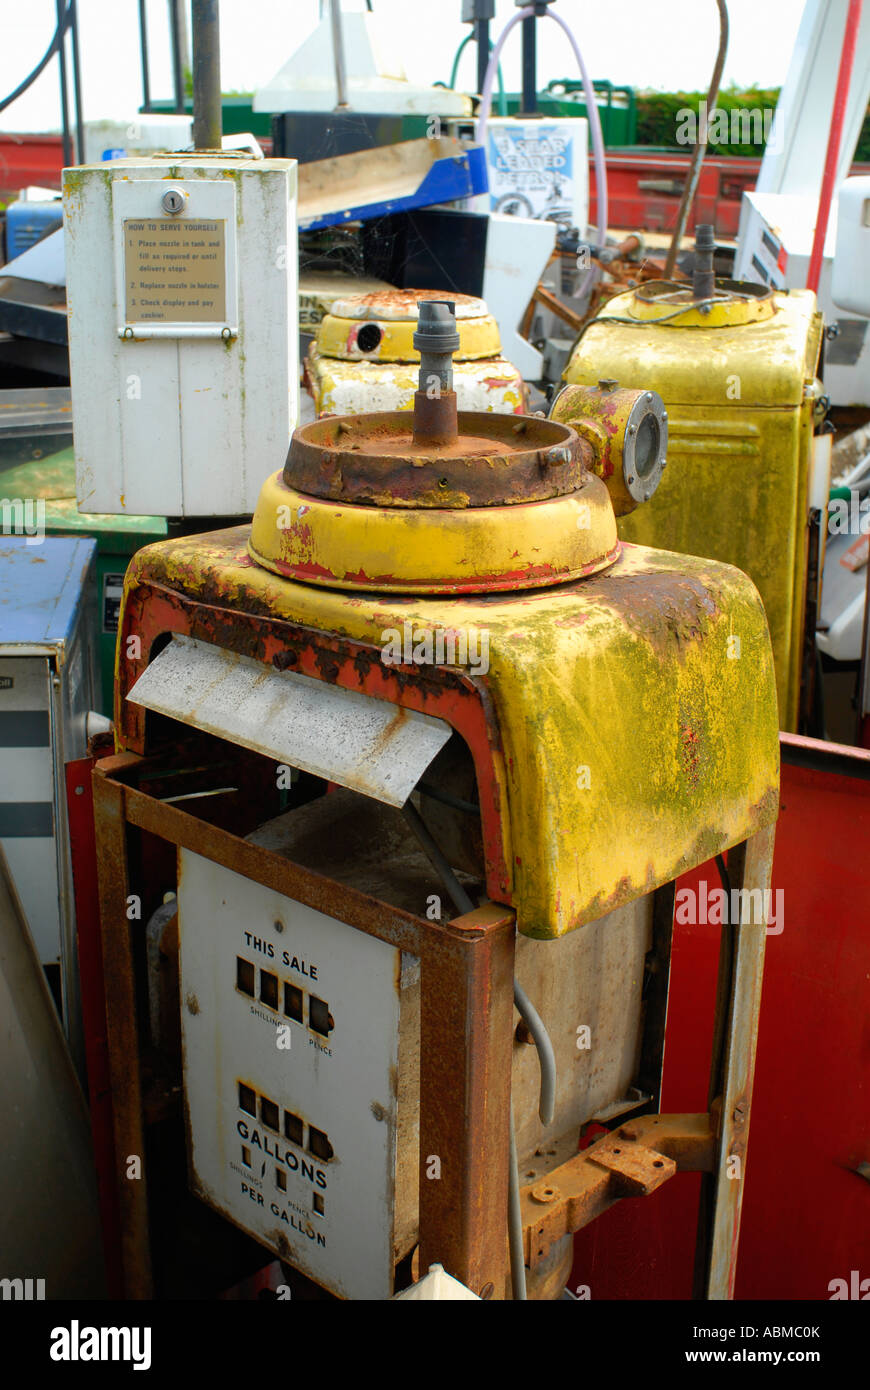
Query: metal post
{"x":64,"y":95}
{"x":530,"y":66}
{"x":77,"y":81}
{"x":338,"y":54}
{"x":466,"y":1025}
{"x":143,"y":54}
{"x":207,"y":125}
{"x":749,"y":866}
{"x":175,"y":44}
{"x":122,"y":1031}
{"x":481,"y":38}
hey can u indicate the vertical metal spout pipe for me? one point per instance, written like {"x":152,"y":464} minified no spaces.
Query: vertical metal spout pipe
{"x":207,"y":124}
{"x":436,"y":340}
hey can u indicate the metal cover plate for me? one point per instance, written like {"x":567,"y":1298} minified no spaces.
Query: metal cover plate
{"x":331,"y":1217}
{"x":368,"y":745}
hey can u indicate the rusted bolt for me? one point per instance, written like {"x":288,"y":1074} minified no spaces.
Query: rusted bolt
{"x":281,"y":660}
{"x":522,"y":1033}
{"x":607,"y":383}
{"x":739,"y":1112}
{"x":520,"y":427}
{"x":487,"y":1291}
{"x":545,"y":1192}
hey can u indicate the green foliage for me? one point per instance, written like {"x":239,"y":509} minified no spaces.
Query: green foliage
{"x":657,"y":122}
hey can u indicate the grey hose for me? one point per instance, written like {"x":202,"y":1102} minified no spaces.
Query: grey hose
{"x":527,"y":1011}
{"x":700,"y":145}
{"x":546,"y":1055}
{"x":515,"y":1220}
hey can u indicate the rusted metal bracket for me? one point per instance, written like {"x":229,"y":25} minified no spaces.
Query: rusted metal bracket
{"x":631,"y":1161}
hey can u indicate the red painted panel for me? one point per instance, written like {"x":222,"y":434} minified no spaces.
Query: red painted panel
{"x":80,"y":805}
{"x":26,"y":159}
{"x":806,"y":1212}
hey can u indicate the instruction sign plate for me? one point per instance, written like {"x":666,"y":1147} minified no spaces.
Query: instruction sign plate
{"x":290,"y":1021}
{"x":175,"y":270}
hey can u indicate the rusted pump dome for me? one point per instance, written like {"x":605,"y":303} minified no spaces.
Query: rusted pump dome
{"x":435,"y":501}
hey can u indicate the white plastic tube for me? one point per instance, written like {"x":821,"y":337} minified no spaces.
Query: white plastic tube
{"x":591,"y":107}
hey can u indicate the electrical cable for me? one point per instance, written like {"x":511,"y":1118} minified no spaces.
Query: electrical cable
{"x":502,"y":96}
{"x":691,"y":183}
{"x":515,"y":1220}
{"x":53,"y":47}
{"x":594,"y":119}
{"x":532,"y":1020}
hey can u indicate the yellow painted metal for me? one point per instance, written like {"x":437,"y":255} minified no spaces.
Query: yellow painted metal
{"x":339,"y":337}
{"x":632,"y":742}
{"x":353,"y":388}
{"x":677,"y":308}
{"x":629,"y":459}
{"x":437,"y":549}
{"x":738,"y":388}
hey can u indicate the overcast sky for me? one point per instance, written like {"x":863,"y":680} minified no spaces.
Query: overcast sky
{"x":669,"y":44}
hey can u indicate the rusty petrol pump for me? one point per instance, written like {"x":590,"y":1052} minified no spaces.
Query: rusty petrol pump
{"x":423,"y":750}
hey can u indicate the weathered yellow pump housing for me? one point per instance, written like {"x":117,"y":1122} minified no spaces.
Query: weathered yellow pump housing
{"x":739,"y":386}
{"x":364,"y":358}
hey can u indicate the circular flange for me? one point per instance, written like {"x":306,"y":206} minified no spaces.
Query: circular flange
{"x":672,"y":303}
{"x":345,"y":545}
{"x":644,"y":446}
{"x":497,"y":460}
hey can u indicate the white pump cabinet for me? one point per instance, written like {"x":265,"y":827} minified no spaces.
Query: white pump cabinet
{"x":183,"y":323}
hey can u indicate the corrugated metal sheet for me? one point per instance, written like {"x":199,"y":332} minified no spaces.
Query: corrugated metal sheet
{"x":362,"y":743}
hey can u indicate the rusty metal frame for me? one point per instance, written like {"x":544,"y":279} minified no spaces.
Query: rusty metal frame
{"x":631,"y":1161}
{"x":749,"y":867}
{"x":465,"y":1030}
{"x":637,"y":1157}
{"x":151,"y":612}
